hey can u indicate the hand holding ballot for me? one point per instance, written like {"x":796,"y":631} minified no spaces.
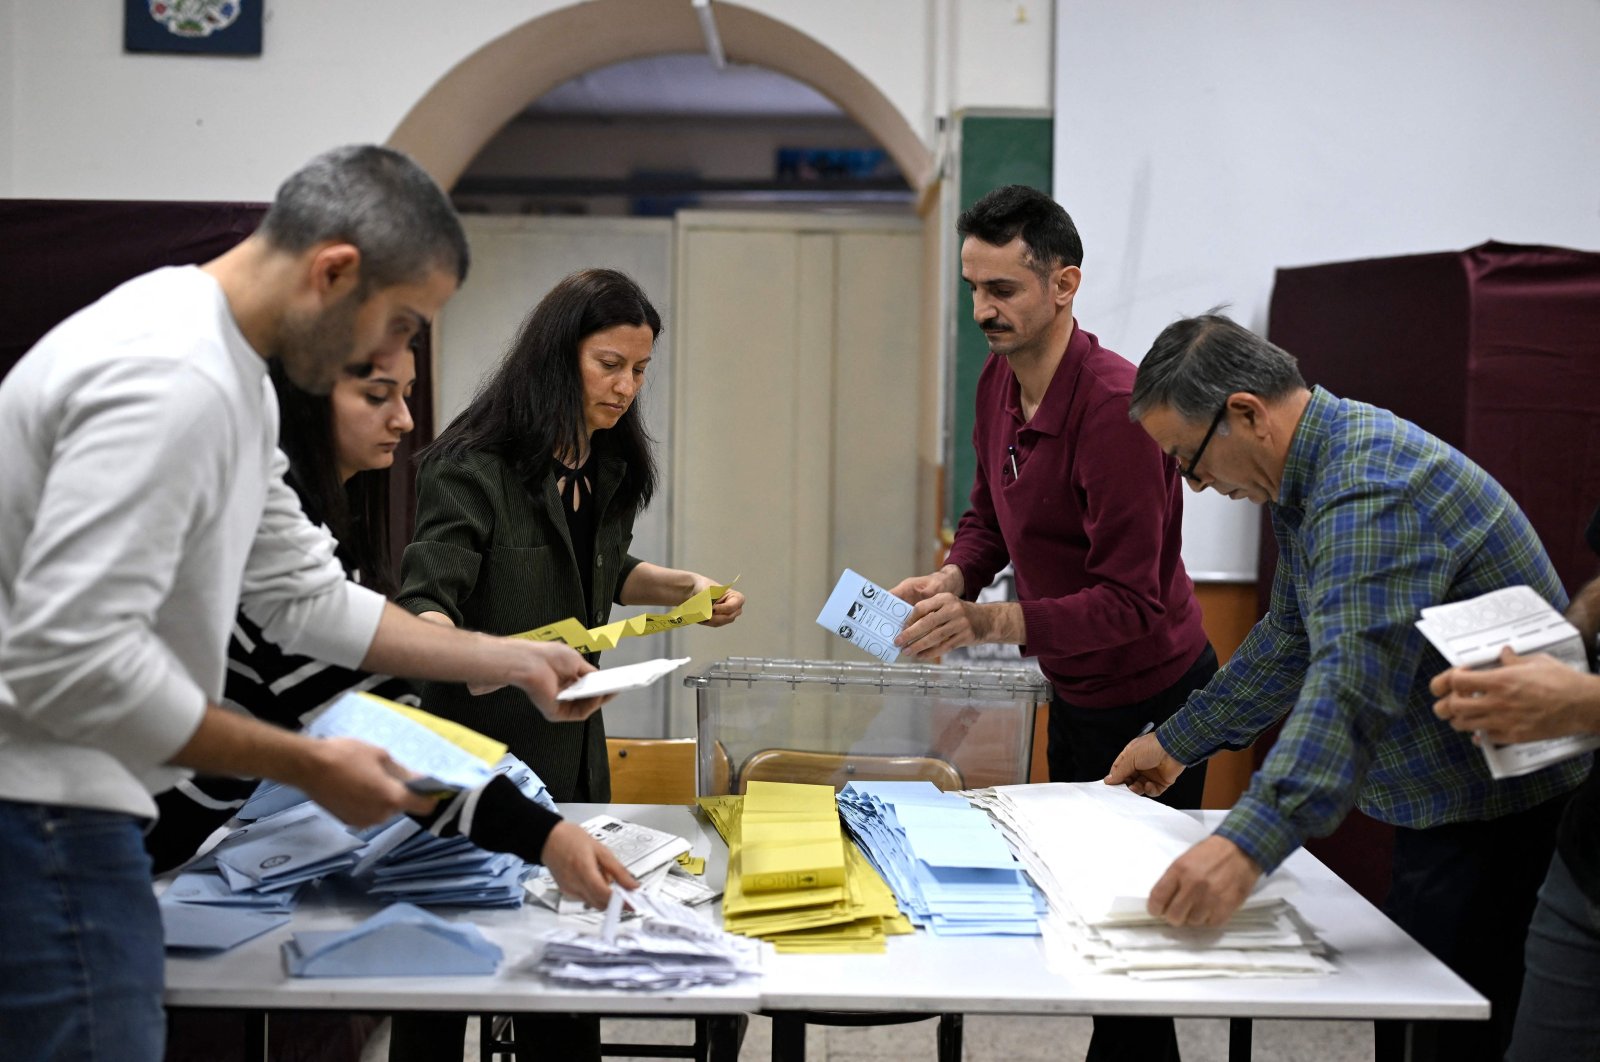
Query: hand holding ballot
{"x":1527,"y":698}
{"x":942,"y":620}
{"x":582,"y":866}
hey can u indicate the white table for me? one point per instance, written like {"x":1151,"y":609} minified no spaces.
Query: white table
{"x":1382,"y":973}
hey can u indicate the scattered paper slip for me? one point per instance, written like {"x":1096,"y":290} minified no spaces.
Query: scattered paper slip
{"x":1471,"y":634}
{"x":665,"y":946}
{"x":618,"y":679}
{"x":865,"y":615}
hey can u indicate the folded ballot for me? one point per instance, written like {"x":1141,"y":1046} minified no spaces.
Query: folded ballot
{"x":398,"y":941}
{"x":641,"y":849}
{"x":866,"y":615}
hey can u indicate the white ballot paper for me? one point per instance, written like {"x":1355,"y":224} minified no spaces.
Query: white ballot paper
{"x":865,"y":614}
{"x":618,"y":679}
{"x":639,"y":848}
{"x":1471,"y":634}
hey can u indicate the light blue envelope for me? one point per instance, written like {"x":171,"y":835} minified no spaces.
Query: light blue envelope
{"x":201,"y":927}
{"x":398,"y":941}
{"x":269,"y":799}
{"x":313,"y":844}
{"x":206,"y":887}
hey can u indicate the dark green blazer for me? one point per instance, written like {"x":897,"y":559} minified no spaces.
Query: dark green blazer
{"x":496,"y":557}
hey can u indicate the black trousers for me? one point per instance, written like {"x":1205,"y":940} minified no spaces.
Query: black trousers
{"x":1466,"y":892}
{"x":1083,"y":743}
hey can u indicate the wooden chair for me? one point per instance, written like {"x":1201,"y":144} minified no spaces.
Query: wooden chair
{"x":838,"y":769}
{"x":651,"y":770}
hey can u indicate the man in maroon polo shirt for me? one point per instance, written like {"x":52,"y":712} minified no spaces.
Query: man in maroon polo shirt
{"x":1087,"y":511}
{"x":1084,"y":505}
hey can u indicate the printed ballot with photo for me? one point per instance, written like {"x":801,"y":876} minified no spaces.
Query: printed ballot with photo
{"x":1471,"y":634}
{"x":866,"y":615}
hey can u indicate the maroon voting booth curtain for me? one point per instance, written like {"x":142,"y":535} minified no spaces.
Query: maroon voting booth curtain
{"x":58,"y":256}
{"x":1496,"y":350}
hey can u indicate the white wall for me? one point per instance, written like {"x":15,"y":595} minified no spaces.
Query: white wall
{"x":88,"y":121}
{"x":8,"y":90}
{"x":1199,"y":146}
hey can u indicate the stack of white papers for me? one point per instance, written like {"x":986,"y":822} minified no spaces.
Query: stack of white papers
{"x":1472,"y":633}
{"x":665,"y":946}
{"x":1097,"y":850}
{"x":950,"y":870}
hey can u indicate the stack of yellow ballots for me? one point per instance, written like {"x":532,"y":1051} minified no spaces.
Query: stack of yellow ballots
{"x":794,"y":879}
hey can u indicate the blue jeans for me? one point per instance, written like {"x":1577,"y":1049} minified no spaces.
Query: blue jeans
{"x":1560,"y":1012}
{"x":80,"y":937}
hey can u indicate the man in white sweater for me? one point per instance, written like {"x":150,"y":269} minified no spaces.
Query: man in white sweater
{"x":142,"y":503}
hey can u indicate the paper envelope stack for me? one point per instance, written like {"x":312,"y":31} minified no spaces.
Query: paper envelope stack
{"x":793,"y":879}
{"x":950,"y":869}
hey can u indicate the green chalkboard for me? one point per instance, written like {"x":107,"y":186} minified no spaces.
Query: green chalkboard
{"x":994,"y":151}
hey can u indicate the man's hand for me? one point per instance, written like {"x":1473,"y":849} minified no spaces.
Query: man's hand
{"x":1205,"y":885}
{"x":357,"y":782}
{"x":1144,"y":767}
{"x":1527,"y":698}
{"x":944,"y":622}
{"x":947,"y":580}
{"x":725,"y":609}
{"x":544,"y":669}
{"x":582,"y":866}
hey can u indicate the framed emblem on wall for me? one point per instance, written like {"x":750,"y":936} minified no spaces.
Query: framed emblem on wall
{"x":206,"y":27}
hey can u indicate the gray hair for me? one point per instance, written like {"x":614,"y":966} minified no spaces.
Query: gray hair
{"x":1196,"y":363}
{"x":380,"y":201}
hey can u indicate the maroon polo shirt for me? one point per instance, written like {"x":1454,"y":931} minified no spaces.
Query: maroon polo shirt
{"x":1092,"y":522}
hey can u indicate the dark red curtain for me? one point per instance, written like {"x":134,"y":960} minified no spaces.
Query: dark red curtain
{"x":58,"y":256}
{"x":1496,"y":350}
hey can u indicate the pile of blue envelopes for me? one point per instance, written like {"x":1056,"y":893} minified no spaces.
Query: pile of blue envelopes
{"x":250,"y":881}
{"x":950,"y":869}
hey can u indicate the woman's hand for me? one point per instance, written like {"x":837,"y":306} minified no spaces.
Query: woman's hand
{"x":725,"y":609}
{"x":582,"y":866}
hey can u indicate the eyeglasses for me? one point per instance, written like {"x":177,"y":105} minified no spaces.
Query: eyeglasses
{"x":1194,"y":462}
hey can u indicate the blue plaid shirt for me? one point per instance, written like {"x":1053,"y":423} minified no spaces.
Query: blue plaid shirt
{"x":1375,"y":520}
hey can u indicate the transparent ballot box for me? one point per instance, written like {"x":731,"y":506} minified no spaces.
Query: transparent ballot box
{"x":822,"y":721}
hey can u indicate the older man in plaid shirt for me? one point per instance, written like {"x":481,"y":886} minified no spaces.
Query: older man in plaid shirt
{"x":1375,"y":520}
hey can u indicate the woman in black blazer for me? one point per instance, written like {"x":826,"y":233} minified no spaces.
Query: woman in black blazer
{"x":526,"y":505}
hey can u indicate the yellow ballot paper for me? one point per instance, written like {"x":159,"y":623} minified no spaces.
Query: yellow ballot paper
{"x":598,"y":639}
{"x":790,"y":838}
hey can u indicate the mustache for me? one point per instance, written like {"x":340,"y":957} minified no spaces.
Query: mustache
{"x":992,"y":327}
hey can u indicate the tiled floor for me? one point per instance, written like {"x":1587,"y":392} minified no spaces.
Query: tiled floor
{"x":995,"y":1039}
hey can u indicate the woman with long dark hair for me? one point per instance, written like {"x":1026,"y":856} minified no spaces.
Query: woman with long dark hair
{"x":526,"y":505}
{"x":339,"y":448}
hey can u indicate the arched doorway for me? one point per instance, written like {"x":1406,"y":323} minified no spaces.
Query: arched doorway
{"x":448,"y":127}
